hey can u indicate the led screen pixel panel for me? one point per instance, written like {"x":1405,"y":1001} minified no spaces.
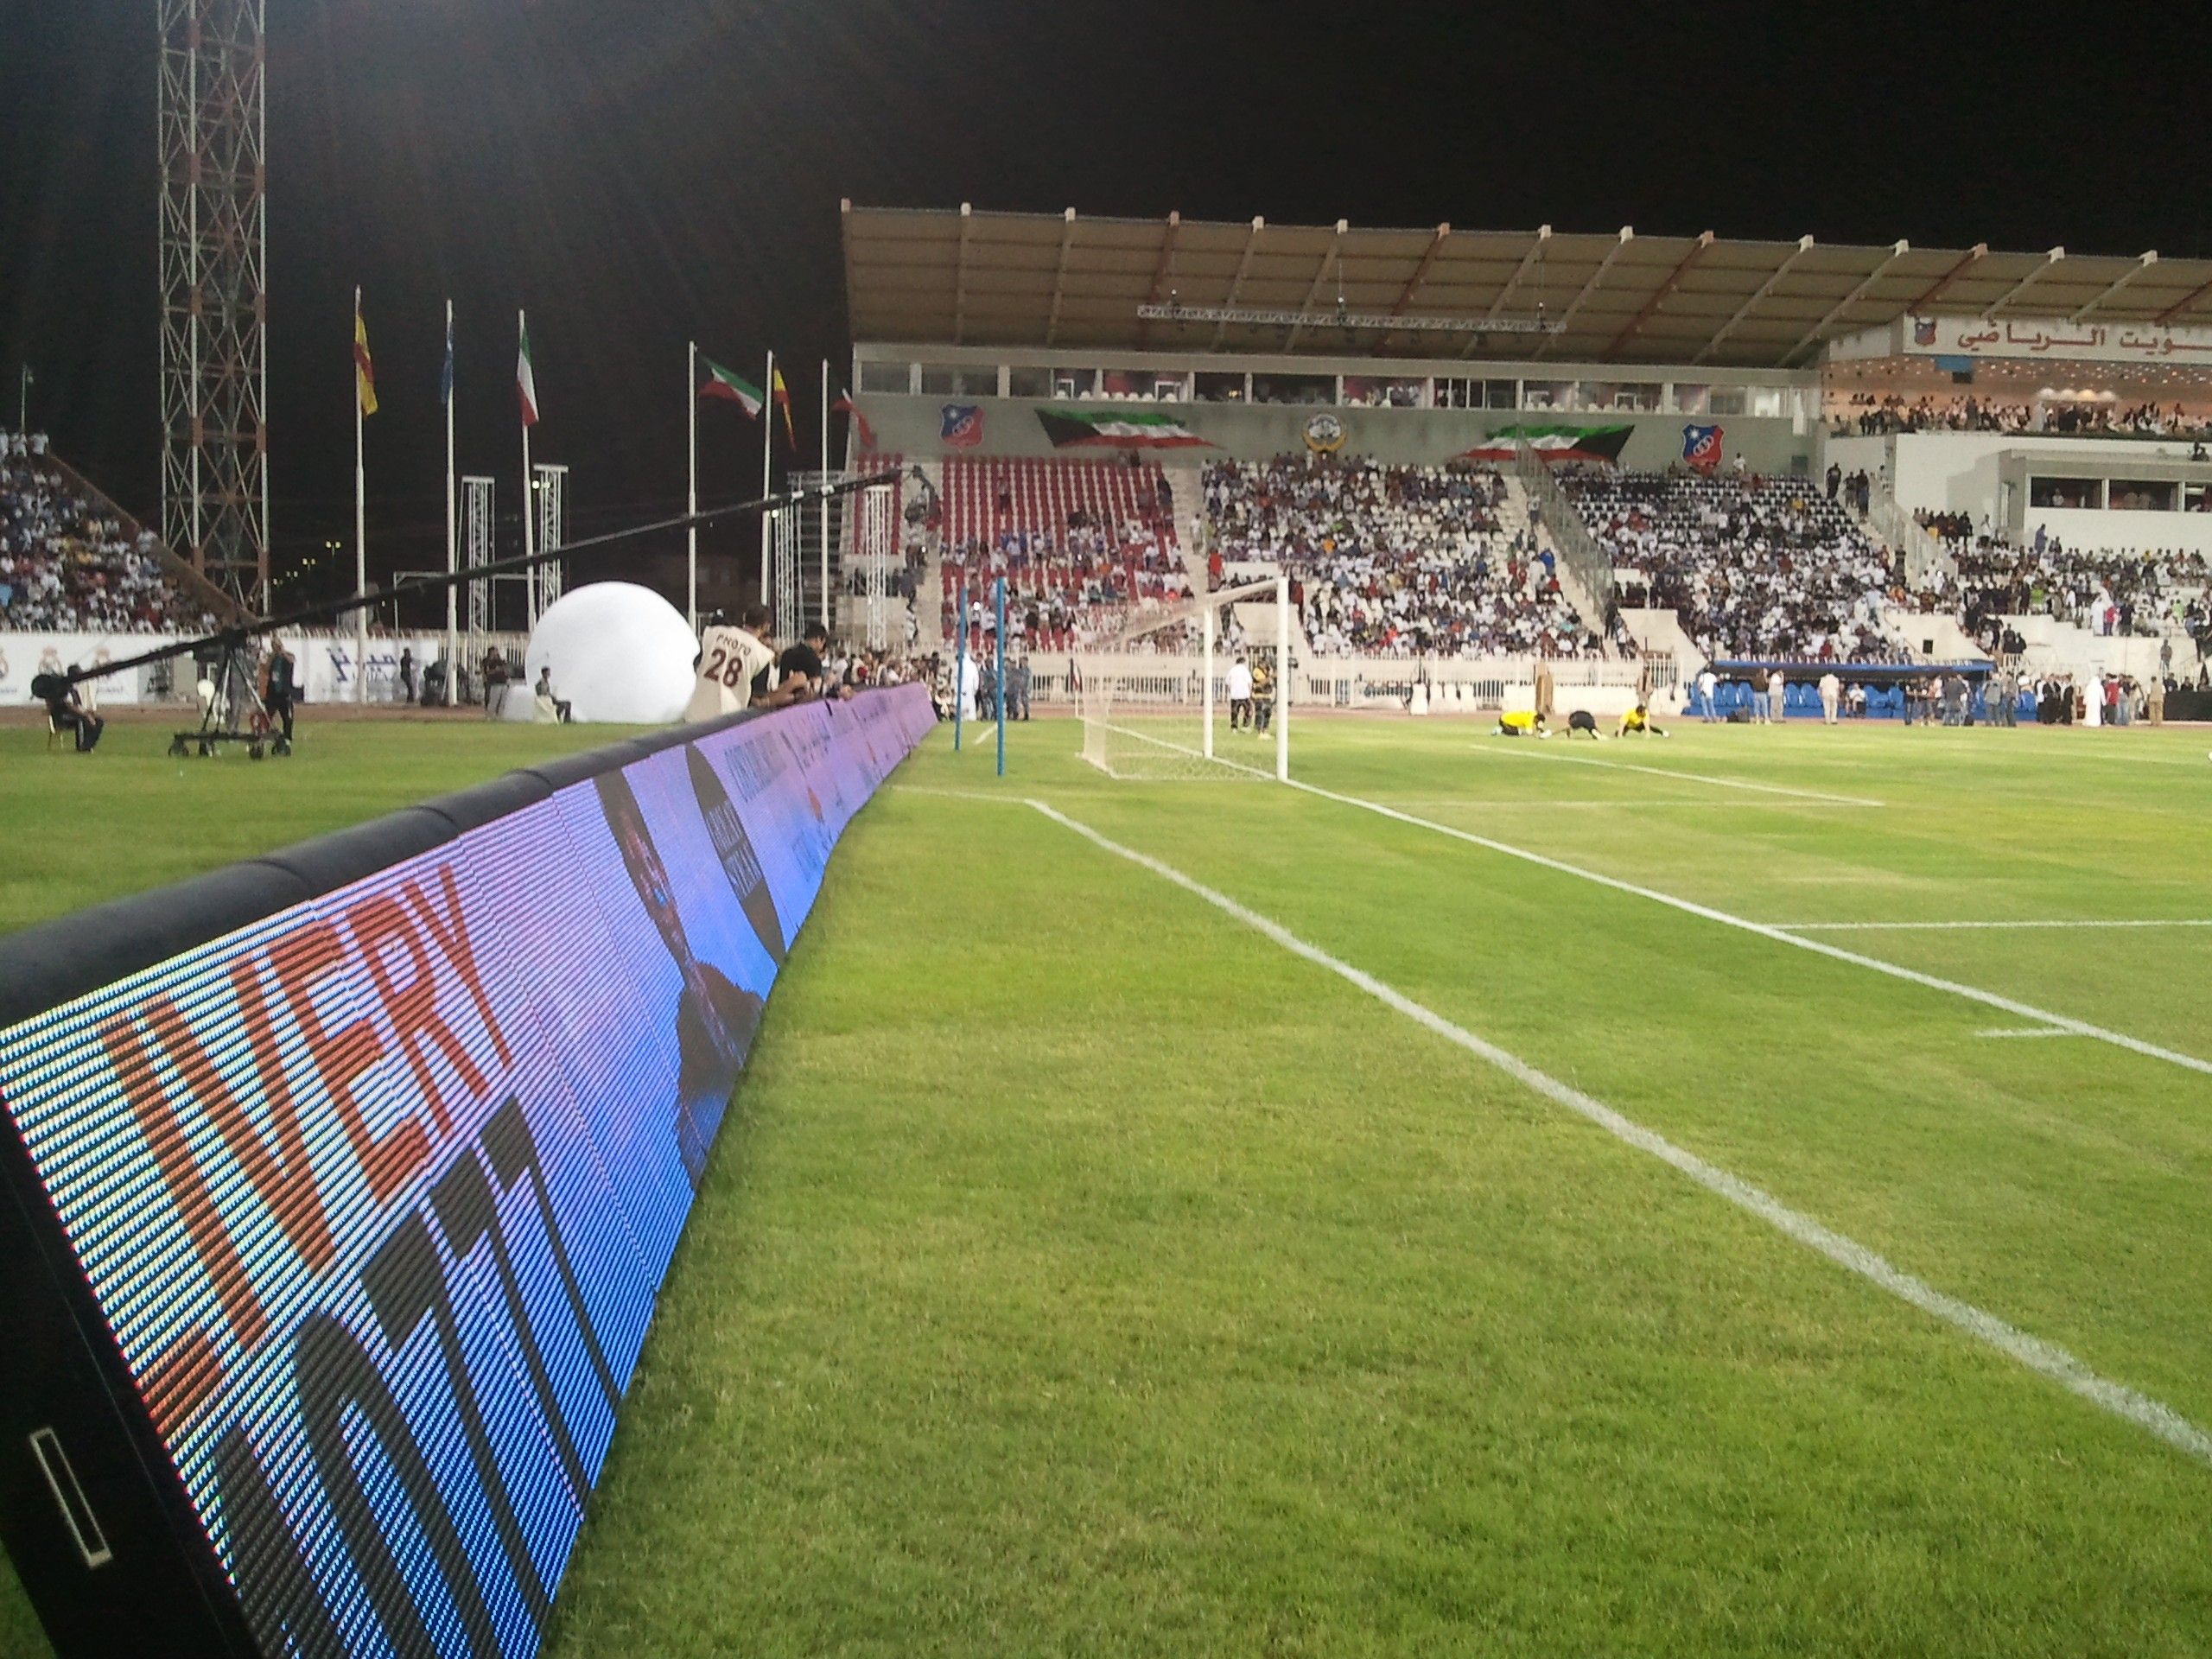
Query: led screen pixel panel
{"x":373,"y":1197}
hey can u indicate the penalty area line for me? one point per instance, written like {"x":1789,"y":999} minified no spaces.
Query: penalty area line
{"x":1695,"y":777}
{"x":2047,"y":1359}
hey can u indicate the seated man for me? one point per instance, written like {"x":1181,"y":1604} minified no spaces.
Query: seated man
{"x":1638,"y":721}
{"x":550,"y":708}
{"x":66,"y":710}
{"x":1521,"y":722}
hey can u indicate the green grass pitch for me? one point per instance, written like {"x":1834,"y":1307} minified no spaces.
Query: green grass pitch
{"x":1083,"y":1271}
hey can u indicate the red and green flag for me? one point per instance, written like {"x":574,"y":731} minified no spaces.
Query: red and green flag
{"x":845,"y":405}
{"x":730,"y":388}
{"x":1585,"y":443}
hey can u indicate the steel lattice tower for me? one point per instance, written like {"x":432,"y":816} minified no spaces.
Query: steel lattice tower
{"x":214,"y":264}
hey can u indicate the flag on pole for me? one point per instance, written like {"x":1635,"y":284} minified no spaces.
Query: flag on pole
{"x":845,"y":405}
{"x":445,"y":375}
{"x":526,"y":382}
{"x":365,"y":368}
{"x":784,"y":401}
{"x":731,"y":388}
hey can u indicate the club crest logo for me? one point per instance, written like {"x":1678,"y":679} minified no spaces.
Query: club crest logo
{"x":1325,"y":433}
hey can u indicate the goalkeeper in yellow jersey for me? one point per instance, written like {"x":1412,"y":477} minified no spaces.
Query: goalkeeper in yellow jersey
{"x":1637,"y":722}
{"x":1519,"y":722}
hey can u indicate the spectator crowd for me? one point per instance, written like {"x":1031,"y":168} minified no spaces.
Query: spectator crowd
{"x":66,"y":567}
{"x":1396,"y":561}
{"x":1754,"y":568}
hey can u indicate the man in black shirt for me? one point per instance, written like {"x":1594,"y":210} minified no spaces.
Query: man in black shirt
{"x":278,"y":684}
{"x":66,"y":711}
{"x":799,"y":668}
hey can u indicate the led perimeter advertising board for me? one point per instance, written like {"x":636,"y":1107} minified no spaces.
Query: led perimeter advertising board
{"x":336,"y":1188}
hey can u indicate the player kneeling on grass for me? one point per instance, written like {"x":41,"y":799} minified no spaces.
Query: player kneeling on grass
{"x":1521,"y":722}
{"x":1637,"y":720}
{"x":1583,"y":723}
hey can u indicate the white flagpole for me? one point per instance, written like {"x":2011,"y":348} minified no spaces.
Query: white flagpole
{"x":691,"y":500}
{"x":453,"y":533}
{"x":529,"y":495}
{"x":826,"y":610}
{"x":767,"y":464}
{"x":360,"y":528}
{"x":1283,"y":678}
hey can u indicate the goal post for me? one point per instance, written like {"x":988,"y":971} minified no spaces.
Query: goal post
{"x":1195,"y":689}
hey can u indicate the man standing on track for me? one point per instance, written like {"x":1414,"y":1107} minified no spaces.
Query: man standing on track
{"x":1775,"y":686}
{"x":1707,"y":683}
{"x":1831,"y":697}
{"x":278,"y":686}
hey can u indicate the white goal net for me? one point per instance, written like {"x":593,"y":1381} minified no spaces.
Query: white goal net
{"x":1193,"y":691}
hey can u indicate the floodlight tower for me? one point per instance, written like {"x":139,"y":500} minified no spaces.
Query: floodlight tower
{"x":214,"y":261}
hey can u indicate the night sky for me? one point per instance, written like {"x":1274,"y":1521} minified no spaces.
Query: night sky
{"x":639,"y":172}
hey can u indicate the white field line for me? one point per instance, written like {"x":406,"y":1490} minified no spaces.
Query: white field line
{"x":1819,"y":947}
{"x":943,"y":794}
{"x":1898,"y":927}
{"x":1707,"y":801}
{"x":2045,"y":1359}
{"x":2032,"y":1031}
{"x":1669,"y":771}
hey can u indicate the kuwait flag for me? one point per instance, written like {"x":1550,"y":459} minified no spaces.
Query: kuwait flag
{"x":731,"y":388}
{"x":1099,"y":428}
{"x":1554,"y":443}
{"x":526,"y":380}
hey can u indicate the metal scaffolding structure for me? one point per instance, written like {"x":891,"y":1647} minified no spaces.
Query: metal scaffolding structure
{"x":213,"y":126}
{"x":786,"y":590}
{"x":479,"y":547}
{"x":549,"y":492}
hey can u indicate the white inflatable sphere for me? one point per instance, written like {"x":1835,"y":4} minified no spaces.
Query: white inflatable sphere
{"x":618,"y":653}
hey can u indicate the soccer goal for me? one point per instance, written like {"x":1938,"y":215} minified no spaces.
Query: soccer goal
{"x":1198,"y":689}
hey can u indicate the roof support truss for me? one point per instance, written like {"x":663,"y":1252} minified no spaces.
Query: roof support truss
{"x":1528,"y":261}
{"x":1060,"y":277}
{"x":1660,"y":293}
{"x":1929,"y":296}
{"x":1421,"y":271}
{"x":960,"y":274}
{"x":1773,"y":281}
{"x":1811,"y":336}
{"x":2142,"y":264}
{"x":1320,"y":277}
{"x":2049,"y":260}
{"x":1236,"y":283}
{"x":1627,"y":236}
{"x":2184,"y":302}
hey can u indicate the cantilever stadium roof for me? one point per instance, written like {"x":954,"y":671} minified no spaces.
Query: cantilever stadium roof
{"x":961,"y":277}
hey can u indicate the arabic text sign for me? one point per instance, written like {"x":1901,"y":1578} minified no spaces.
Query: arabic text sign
{"x":2055,"y":339}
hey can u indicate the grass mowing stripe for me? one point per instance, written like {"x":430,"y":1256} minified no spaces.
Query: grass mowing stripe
{"x":1672,"y":772}
{"x":2025,"y":1010}
{"x":2045,"y":1359}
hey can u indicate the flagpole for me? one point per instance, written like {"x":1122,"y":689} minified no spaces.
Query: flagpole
{"x":826,"y":608}
{"x":767,"y":462}
{"x":529,"y":498}
{"x":452,"y":532}
{"x":691,"y":500}
{"x":360,"y":528}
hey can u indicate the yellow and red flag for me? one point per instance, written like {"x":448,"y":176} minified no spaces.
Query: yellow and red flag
{"x":365,"y":368}
{"x":783,"y":397}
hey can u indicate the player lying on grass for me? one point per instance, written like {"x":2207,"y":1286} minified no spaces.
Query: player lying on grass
{"x":1638,"y":722}
{"x":1519,"y":722}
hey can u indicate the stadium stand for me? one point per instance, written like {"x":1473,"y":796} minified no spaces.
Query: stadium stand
{"x":72,"y":563}
{"x":1079,"y":542}
{"x":1399,"y":560}
{"x":1754,"y":568}
{"x":1866,"y":415}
